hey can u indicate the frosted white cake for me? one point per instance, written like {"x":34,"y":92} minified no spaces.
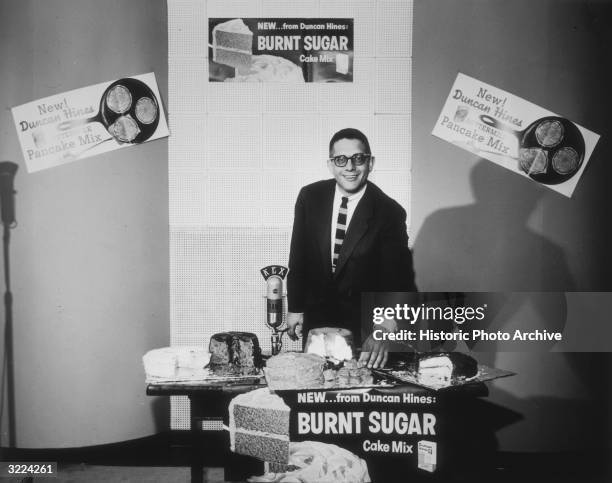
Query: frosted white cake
{"x":165,"y":362}
{"x":330,"y":342}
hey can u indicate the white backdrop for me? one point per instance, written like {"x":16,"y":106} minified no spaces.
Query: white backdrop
{"x":238,"y":154}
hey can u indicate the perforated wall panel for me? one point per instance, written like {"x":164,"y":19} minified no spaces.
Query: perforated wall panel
{"x":239,"y":153}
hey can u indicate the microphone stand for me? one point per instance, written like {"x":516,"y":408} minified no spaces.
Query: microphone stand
{"x":276,"y":339}
{"x":8,"y":336}
{"x":7,"y":212}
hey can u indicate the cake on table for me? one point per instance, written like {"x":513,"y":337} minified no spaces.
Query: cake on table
{"x":294,"y":370}
{"x":259,"y":426}
{"x":232,"y":44}
{"x":327,"y":364}
{"x":352,"y":373}
{"x":234,"y":353}
{"x":331,"y":342}
{"x":442,"y":368}
{"x":172,"y":363}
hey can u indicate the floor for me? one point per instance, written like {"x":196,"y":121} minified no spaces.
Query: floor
{"x":78,"y":473}
{"x":84,"y":473}
{"x":165,"y":458}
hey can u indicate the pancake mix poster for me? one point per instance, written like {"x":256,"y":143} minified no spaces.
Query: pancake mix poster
{"x":292,"y":50}
{"x":515,"y":134}
{"x":92,"y":120}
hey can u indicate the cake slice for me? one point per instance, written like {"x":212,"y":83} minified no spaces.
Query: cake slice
{"x":440,"y":369}
{"x":259,"y":426}
{"x":232,"y":44}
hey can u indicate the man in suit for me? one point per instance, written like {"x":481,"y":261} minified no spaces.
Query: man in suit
{"x":348,"y":237}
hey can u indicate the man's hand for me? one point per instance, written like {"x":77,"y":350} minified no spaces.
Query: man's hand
{"x":295,"y":321}
{"x":374,"y":353}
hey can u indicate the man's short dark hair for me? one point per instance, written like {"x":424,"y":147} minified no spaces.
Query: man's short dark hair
{"x":350,"y":133}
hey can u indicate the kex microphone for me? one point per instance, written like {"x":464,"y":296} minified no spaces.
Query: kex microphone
{"x":7,"y":192}
{"x":274,"y":297}
{"x":274,"y":276}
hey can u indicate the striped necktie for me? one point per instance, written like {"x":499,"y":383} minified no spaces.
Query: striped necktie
{"x":340,"y":231}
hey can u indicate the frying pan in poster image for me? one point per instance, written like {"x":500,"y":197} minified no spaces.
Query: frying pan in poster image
{"x":551,"y":149}
{"x":129,"y":111}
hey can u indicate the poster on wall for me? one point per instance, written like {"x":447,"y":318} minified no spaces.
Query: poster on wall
{"x":291,"y":50}
{"x":92,"y":120}
{"x":516,"y":134}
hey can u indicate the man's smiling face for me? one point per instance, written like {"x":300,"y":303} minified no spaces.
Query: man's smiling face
{"x":350,"y":178}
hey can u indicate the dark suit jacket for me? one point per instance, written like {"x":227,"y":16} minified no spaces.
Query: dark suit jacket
{"x":374,"y":256}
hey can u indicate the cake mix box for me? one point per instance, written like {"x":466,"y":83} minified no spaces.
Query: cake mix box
{"x":289,"y":50}
{"x":516,"y":134}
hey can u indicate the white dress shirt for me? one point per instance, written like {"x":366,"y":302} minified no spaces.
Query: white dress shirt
{"x":353,"y":200}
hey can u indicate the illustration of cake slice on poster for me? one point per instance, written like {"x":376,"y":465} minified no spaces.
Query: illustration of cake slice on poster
{"x":233,"y":44}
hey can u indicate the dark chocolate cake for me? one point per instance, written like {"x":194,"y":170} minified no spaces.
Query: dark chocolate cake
{"x":234,"y":353}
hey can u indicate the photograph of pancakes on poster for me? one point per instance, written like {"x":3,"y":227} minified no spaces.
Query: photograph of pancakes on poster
{"x":92,"y":120}
{"x":516,"y":134}
{"x":291,"y":50}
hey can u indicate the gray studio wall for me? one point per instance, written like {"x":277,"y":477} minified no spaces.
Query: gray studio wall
{"x":478,"y":227}
{"x":90,"y":254}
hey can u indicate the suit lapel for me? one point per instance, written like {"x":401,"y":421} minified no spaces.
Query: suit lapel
{"x":324,"y":223}
{"x":357,"y":228}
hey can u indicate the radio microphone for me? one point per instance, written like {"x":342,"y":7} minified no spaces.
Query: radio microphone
{"x":274,"y":297}
{"x":7,"y":200}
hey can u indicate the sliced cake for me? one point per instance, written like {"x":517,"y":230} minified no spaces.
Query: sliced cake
{"x":259,"y":426}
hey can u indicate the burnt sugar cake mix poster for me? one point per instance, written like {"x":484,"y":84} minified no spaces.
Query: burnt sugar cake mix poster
{"x":292,"y":50}
{"x":516,"y":134}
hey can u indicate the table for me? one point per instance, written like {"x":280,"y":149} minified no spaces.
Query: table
{"x":208,"y":403}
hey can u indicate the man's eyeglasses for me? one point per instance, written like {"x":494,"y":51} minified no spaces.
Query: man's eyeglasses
{"x":358,"y":159}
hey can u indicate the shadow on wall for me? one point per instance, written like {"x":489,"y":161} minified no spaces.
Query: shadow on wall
{"x":488,"y":245}
{"x":576,"y":420}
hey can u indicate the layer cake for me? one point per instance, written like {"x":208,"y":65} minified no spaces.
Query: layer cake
{"x":232,"y":44}
{"x":259,"y":426}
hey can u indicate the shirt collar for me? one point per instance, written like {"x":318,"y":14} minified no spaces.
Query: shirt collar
{"x":352,"y":197}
